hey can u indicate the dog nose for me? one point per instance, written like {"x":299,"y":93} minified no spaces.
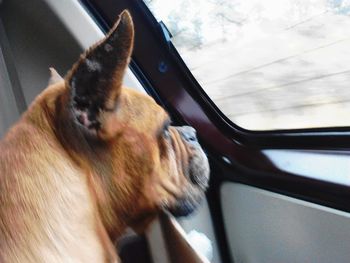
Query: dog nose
{"x":189,"y":133}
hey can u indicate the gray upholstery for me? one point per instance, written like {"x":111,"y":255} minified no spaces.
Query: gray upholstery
{"x":32,"y":40}
{"x":265,"y":227}
{"x":8,"y":108}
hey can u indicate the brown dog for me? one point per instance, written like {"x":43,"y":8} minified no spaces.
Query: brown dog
{"x":90,"y":158}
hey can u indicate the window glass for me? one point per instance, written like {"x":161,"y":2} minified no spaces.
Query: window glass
{"x":272,"y":64}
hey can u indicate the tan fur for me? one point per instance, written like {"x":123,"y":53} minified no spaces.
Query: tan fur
{"x":66,"y":198}
{"x":46,"y":208}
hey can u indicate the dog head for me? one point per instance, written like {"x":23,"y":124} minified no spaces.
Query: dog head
{"x":140,"y":163}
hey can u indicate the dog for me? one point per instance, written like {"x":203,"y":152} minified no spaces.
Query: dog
{"x":90,"y":158}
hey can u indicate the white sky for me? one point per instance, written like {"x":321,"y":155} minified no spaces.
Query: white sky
{"x":259,"y":18}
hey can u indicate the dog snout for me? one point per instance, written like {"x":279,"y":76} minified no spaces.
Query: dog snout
{"x":196,"y":172}
{"x":188,"y":133}
{"x":198,"y":168}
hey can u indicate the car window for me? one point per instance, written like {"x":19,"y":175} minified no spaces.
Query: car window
{"x":267,"y":64}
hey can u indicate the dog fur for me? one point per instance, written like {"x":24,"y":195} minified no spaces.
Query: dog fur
{"x":90,"y":158}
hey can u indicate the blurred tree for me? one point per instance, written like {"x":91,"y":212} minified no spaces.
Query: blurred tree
{"x":186,"y":21}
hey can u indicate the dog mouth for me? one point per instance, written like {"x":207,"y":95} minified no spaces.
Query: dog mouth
{"x":186,"y":205}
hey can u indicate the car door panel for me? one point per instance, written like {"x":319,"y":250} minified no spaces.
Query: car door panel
{"x":263,"y":226}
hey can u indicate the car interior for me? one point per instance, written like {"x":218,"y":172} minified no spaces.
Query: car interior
{"x":274,"y":196}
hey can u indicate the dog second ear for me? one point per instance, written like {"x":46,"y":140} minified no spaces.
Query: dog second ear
{"x":54,"y":76}
{"x":95,"y":80}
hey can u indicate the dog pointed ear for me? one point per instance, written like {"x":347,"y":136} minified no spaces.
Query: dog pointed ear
{"x":95,"y":80}
{"x":54,"y":76}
